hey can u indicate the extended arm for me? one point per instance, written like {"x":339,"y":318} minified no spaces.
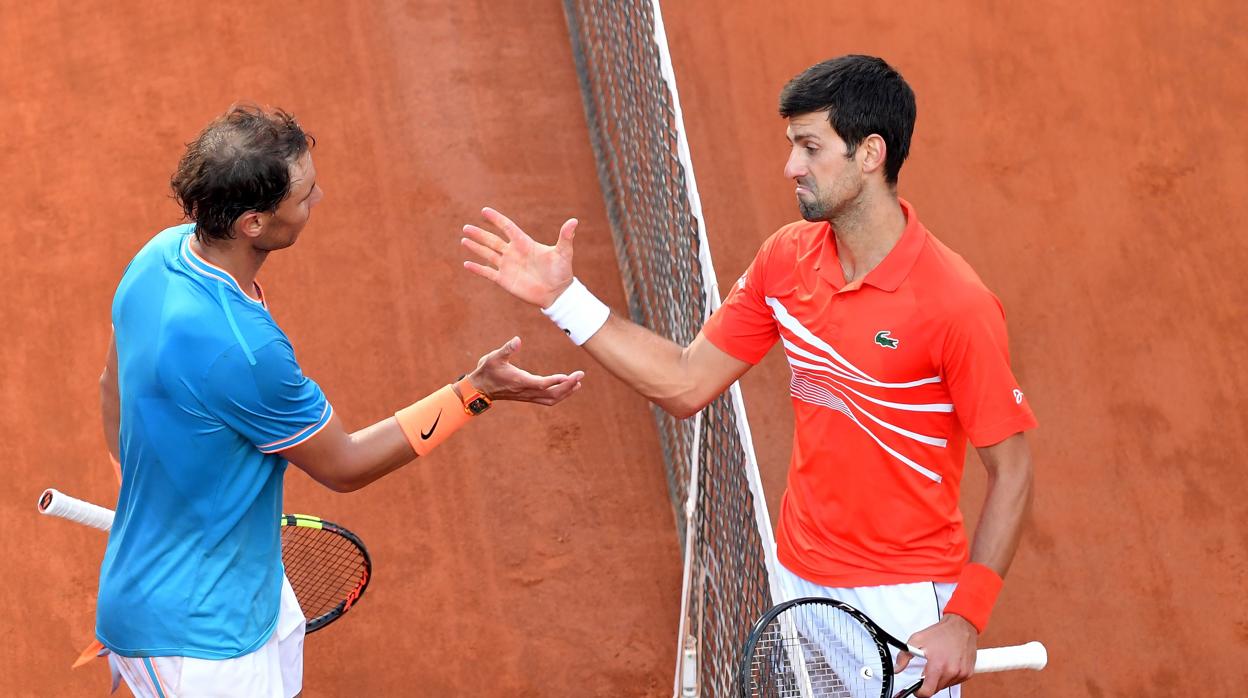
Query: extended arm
{"x":345,"y":462}
{"x":681,"y":380}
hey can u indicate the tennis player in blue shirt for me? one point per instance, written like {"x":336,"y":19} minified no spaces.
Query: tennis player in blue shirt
{"x":204,"y":405}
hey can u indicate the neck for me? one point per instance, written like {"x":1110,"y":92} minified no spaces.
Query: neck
{"x":866,"y":232}
{"x":237,"y":257}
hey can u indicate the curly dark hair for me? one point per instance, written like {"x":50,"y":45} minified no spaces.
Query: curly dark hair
{"x":240,"y":162}
{"x":862,"y":95}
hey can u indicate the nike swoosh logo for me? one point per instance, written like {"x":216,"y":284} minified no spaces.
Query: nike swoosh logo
{"x":424,"y":436}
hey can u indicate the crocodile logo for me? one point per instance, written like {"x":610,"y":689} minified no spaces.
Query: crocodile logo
{"x":882,"y":339}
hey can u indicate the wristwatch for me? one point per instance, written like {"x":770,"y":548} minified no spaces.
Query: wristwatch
{"x":475,"y":401}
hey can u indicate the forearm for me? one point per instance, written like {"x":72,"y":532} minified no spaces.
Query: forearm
{"x":1004,"y":515}
{"x":370,"y":454}
{"x":1006,"y":506}
{"x":650,"y":364}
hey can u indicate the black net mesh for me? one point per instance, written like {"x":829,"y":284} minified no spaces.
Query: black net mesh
{"x":634,"y":129}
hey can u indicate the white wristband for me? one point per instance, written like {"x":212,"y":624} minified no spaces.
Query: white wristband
{"x":578,"y":312}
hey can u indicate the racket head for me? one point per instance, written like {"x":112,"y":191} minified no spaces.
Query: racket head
{"x":815,"y":647}
{"x":327,"y":565}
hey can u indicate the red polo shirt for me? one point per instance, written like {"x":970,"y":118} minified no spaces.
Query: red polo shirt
{"x":891,"y":375}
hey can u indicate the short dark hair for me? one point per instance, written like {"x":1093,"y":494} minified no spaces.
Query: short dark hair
{"x":240,"y":162}
{"x":862,"y":95}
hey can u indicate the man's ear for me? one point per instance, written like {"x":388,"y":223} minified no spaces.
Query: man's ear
{"x":873,"y":152}
{"x":249,"y":225}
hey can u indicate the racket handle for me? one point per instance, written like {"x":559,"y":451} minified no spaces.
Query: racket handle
{"x":55,"y":503}
{"x":1032,"y":655}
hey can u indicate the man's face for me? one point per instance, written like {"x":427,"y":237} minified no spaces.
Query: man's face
{"x":282,"y":227}
{"x":826,"y":179}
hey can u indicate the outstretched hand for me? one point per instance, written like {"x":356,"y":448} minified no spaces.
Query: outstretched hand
{"x":533,"y":272}
{"x":499,"y":379}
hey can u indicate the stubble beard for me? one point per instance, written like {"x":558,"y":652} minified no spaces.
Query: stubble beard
{"x":818,"y":210}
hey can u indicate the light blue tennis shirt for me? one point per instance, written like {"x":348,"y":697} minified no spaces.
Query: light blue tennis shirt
{"x":210,"y":392}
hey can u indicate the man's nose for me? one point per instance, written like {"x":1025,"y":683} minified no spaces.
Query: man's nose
{"x":794,"y":167}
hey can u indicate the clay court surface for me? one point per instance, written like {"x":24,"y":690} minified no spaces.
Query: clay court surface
{"x":1087,"y":159}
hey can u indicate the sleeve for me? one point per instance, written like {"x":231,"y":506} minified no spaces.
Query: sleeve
{"x":976,"y":368}
{"x":271,"y":403}
{"x":744,"y":327}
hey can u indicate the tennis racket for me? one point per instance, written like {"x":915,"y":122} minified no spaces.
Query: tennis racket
{"x":327,"y":565}
{"x":817,"y":647}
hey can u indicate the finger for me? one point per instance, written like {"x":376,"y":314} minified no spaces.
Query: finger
{"x":504,"y":224}
{"x":509,"y":348}
{"x":489,"y":273}
{"x":484,"y":237}
{"x":932,"y":682}
{"x":560,"y":393}
{"x":560,"y":379}
{"x":903,"y":660}
{"x":545,"y":383}
{"x":489,"y":255}
{"x":566,"y":233}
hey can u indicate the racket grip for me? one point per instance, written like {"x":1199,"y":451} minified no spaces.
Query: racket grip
{"x":1032,"y":655}
{"x":55,"y":503}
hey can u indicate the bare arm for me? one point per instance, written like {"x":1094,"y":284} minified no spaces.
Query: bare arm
{"x":1006,"y":503}
{"x":345,"y":462}
{"x":110,"y":402}
{"x":681,"y":380}
{"x":950,"y":643}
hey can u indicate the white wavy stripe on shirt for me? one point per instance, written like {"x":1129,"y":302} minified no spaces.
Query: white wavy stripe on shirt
{"x":792,"y":324}
{"x":819,"y":383}
{"x":905,"y":406}
{"x":807,"y":391}
{"x":792,"y":347}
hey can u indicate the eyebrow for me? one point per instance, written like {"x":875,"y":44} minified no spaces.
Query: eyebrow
{"x":801,"y":137}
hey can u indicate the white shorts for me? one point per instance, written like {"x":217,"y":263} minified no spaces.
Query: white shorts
{"x":273,"y":671}
{"x":900,"y":609}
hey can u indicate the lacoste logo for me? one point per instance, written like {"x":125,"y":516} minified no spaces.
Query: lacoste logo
{"x":882,"y":339}
{"x":424,"y":436}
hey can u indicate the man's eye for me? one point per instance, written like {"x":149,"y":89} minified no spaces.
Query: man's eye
{"x":811,"y":149}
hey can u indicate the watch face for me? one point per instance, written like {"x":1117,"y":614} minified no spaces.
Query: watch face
{"x":478,"y":405}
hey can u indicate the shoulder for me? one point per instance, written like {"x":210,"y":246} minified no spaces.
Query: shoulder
{"x":158,"y":254}
{"x":167,"y":243}
{"x":948,"y":284}
{"x":792,"y":242}
{"x":797,"y":235}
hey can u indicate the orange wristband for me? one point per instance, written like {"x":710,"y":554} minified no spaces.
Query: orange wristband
{"x":976,"y":594}
{"x":429,"y":422}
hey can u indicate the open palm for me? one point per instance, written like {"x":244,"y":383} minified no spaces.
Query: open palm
{"x":533,"y":272}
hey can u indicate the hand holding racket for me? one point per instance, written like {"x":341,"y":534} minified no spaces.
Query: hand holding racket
{"x":820,"y":647}
{"x":327,"y":565}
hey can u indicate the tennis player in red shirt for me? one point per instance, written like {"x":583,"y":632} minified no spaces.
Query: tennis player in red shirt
{"x":898,"y":355}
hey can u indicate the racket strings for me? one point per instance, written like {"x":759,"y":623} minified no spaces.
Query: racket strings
{"x":811,"y":651}
{"x":323,"y":568}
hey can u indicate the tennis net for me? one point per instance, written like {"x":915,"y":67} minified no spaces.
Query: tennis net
{"x":644,"y":166}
